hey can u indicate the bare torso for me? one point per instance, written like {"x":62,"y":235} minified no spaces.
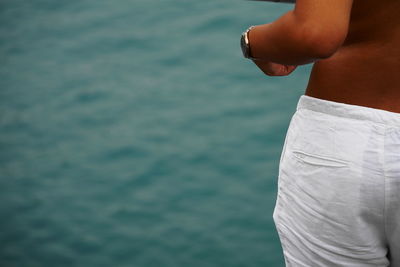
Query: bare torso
{"x":365,"y":71}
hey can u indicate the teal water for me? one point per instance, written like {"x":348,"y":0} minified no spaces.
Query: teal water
{"x":133,"y":133}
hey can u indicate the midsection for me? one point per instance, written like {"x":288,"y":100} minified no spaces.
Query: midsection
{"x":366,"y":69}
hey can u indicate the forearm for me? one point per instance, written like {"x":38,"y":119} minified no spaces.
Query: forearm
{"x":284,"y":41}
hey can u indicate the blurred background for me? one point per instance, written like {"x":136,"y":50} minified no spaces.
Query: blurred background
{"x":133,"y":133}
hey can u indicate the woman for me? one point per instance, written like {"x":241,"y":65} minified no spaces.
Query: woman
{"x":338,"y":198}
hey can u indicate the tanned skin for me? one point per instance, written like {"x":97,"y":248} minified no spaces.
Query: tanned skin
{"x":354,"y":45}
{"x":365,"y":70}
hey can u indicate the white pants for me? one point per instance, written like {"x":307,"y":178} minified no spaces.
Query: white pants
{"x":338,"y":198}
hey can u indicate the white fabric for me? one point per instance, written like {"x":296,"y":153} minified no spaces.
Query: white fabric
{"x":338,"y":198}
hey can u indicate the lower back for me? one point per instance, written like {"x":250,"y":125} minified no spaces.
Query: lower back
{"x":365,"y":70}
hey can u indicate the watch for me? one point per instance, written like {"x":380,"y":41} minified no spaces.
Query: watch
{"x":245,"y":44}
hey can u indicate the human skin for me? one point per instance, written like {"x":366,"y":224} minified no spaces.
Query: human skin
{"x":355,"y":49}
{"x":309,"y":32}
{"x":365,"y":70}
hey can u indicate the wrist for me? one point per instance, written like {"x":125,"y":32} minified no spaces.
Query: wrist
{"x":245,"y":44}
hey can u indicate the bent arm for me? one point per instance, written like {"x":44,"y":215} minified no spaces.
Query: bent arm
{"x":314,"y":30}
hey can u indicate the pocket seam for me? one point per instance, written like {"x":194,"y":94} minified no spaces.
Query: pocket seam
{"x":330,"y":162}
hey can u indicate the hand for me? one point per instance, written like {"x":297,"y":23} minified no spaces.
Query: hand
{"x":274,"y":69}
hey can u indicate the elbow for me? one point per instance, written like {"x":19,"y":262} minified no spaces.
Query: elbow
{"x":323,"y":43}
{"x":324,"y":47}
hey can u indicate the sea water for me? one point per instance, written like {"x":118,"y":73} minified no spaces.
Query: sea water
{"x":134,"y":133}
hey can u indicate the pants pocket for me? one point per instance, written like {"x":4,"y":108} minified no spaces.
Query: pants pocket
{"x":318,"y":160}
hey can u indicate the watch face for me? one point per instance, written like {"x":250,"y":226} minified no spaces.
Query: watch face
{"x":244,"y":46}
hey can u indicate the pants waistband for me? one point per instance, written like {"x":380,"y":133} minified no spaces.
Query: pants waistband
{"x":349,"y":111}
